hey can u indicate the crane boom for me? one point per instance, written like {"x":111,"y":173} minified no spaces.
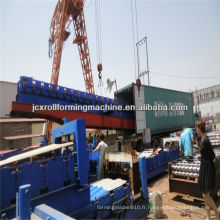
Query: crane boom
{"x":67,"y":12}
{"x":82,"y":42}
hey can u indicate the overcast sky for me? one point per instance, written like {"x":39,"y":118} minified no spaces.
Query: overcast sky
{"x":183,"y":40}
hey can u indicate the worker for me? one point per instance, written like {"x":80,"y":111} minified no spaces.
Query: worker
{"x":207,"y":173}
{"x":102,"y":146}
{"x":89,"y":145}
{"x":214,"y":127}
{"x":94,"y":141}
{"x":186,"y":142}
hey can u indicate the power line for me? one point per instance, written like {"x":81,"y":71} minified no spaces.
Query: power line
{"x":186,"y":77}
{"x":134,"y":50}
{"x":136,"y":16}
{"x":88,"y":5}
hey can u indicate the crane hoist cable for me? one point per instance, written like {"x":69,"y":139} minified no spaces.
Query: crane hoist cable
{"x":99,"y":45}
{"x":98,"y":32}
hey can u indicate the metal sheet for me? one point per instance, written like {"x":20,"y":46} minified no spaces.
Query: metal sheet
{"x":109,"y":184}
{"x":33,"y":153}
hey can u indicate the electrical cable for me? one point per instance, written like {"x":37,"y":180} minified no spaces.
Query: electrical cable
{"x":136,"y":19}
{"x":186,"y":77}
{"x":134,"y":52}
{"x":185,"y":211}
{"x":86,"y":6}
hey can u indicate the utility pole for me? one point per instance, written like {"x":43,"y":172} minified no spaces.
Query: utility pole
{"x":197,"y":99}
{"x":212,"y":110}
{"x":146,"y":72}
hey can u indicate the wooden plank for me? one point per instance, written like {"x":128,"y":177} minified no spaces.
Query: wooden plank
{"x":188,"y":196}
{"x":34,"y":153}
{"x":184,"y":180}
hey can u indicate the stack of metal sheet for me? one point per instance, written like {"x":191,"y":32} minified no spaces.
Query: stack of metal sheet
{"x":214,"y":138}
{"x":103,"y":187}
{"x":185,"y":168}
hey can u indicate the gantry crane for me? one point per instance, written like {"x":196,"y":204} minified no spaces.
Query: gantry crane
{"x":67,"y":12}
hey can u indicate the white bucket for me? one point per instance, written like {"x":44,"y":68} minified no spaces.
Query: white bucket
{"x":157,"y":204}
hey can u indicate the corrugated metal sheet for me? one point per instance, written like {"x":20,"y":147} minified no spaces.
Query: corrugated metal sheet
{"x":159,"y":121}
{"x":102,"y":187}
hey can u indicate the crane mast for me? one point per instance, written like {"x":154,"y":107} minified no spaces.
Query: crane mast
{"x":67,"y":12}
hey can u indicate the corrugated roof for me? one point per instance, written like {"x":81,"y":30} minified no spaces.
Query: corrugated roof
{"x":7,"y":82}
{"x":4,"y":120}
{"x":102,"y":187}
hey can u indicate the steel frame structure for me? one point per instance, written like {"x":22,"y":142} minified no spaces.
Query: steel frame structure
{"x":92,"y":120}
{"x":66,"y":12}
{"x":206,"y":95}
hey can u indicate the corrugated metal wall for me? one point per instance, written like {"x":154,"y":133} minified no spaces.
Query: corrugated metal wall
{"x":14,"y":129}
{"x":8,"y":93}
{"x":37,"y":128}
{"x":160,"y":120}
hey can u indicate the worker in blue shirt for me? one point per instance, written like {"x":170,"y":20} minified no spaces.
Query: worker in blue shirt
{"x":94,"y":141}
{"x":186,"y":142}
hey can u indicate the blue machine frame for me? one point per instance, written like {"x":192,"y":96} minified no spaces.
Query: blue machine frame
{"x":42,"y":93}
{"x":77,"y":128}
{"x":52,"y":180}
{"x":53,"y":187}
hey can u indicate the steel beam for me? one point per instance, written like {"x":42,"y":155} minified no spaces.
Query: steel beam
{"x":92,"y":120}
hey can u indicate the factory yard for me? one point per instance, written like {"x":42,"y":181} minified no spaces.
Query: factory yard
{"x":130,"y":139}
{"x":177,"y":207}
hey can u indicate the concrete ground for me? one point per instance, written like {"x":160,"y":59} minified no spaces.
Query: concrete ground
{"x":177,"y":207}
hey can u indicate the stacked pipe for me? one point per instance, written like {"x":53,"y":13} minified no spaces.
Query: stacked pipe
{"x":185,"y":168}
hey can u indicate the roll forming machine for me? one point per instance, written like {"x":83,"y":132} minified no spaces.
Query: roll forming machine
{"x":52,"y":182}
